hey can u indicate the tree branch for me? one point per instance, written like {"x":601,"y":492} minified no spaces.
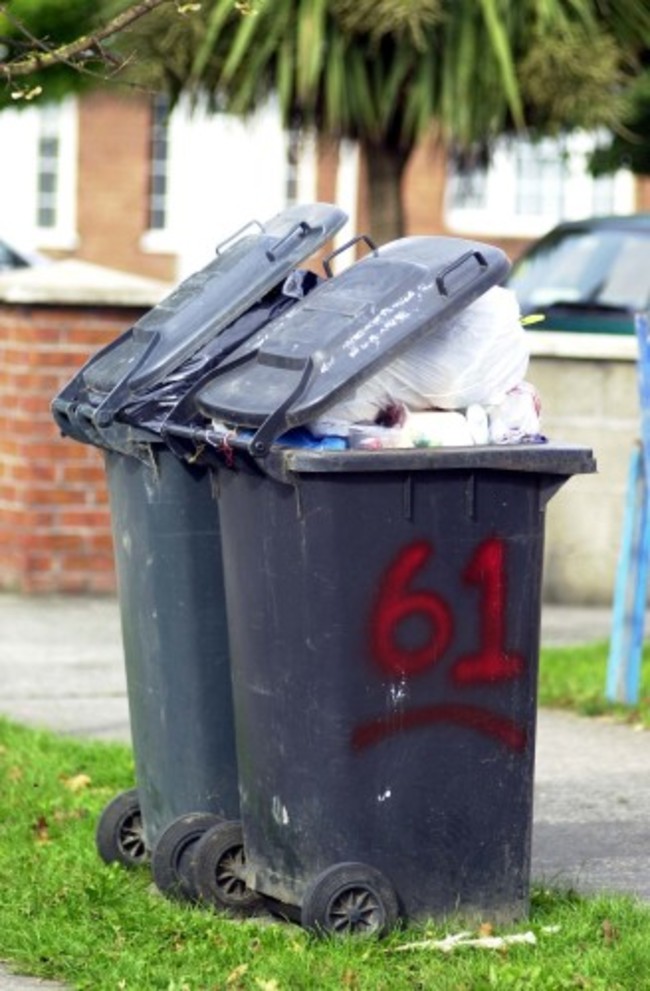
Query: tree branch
{"x":36,"y":61}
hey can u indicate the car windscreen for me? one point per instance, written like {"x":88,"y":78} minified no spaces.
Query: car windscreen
{"x":605,"y":269}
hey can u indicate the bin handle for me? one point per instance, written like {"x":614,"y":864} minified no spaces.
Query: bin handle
{"x":276,"y":422}
{"x":443,"y":289}
{"x":233,"y":237}
{"x":64,"y":413}
{"x":301,"y":229}
{"x":344,"y":247}
{"x":105,"y":413}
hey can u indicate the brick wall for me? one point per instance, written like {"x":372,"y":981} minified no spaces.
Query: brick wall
{"x":54,"y":520}
{"x":113,"y":182}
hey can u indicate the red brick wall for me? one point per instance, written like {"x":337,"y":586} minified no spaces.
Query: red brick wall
{"x":643,"y":193}
{"x":54,"y":521}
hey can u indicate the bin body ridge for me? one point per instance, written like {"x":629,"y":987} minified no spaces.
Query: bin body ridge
{"x":384,"y":630}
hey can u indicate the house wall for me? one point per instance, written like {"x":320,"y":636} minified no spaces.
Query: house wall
{"x":221,"y":173}
{"x":112,"y":185}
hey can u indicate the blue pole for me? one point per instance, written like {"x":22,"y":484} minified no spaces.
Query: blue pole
{"x":631,"y":586}
{"x":628,"y":616}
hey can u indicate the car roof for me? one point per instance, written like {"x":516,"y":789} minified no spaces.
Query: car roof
{"x":639,"y":221}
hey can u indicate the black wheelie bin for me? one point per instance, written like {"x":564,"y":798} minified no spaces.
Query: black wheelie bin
{"x":383,"y":612}
{"x":167,"y":536}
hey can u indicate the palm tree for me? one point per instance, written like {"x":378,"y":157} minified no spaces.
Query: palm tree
{"x":386,"y":72}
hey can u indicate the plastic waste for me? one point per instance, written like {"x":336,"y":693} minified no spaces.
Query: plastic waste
{"x":517,"y":418}
{"x":474,"y":357}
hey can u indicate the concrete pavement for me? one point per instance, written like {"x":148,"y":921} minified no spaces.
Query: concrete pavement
{"x":61,"y":666}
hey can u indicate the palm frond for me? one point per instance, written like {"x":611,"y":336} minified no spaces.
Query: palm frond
{"x":311,"y":43}
{"x":217,"y":18}
{"x":503,"y":52}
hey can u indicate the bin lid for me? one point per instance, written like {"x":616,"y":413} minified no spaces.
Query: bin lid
{"x":346,"y":329}
{"x":247,"y":265}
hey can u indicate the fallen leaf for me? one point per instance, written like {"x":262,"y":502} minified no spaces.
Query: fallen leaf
{"x":41,"y":830}
{"x":238,"y":972}
{"x":271,"y":985}
{"x":61,"y":816}
{"x":77,"y":782}
{"x":486,"y":929}
{"x":610,"y":932}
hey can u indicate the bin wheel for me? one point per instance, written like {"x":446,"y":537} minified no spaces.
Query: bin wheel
{"x":219,"y":870}
{"x":119,"y":836}
{"x":171,"y":860}
{"x":350,"y":899}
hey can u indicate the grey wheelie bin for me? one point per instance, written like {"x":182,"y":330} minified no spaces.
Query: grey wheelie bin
{"x":167,"y":536}
{"x":383,"y":612}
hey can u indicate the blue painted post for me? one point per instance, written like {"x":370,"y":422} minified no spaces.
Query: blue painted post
{"x":628,"y":616}
{"x":631,"y":588}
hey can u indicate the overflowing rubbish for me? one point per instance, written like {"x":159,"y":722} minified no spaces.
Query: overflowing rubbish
{"x":513,"y":420}
{"x":475,"y":356}
{"x":461,"y":386}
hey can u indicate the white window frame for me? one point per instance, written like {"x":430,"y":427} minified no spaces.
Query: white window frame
{"x":63,"y":119}
{"x":19,"y":139}
{"x":499,"y":216}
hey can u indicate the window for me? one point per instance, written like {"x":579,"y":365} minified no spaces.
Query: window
{"x":293,"y":167}
{"x":48,"y":168}
{"x":158,"y":163}
{"x":541,"y":176}
{"x":529,"y":186}
{"x":468,"y":189}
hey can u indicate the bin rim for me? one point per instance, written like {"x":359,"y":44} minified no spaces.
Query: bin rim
{"x":282,"y":462}
{"x":540,"y":458}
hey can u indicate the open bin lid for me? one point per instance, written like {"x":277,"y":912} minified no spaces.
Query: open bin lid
{"x":345,"y":330}
{"x":247,"y":266}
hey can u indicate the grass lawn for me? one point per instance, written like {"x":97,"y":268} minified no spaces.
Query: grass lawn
{"x":574,"y":678}
{"x":65,"y":914}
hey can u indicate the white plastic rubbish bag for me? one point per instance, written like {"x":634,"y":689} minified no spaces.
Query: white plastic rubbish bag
{"x":517,"y":417}
{"x":474,"y":357}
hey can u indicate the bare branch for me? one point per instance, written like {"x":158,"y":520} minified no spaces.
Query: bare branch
{"x":76,"y":49}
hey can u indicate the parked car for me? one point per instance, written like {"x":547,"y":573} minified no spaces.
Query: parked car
{"x":12,"y":257}
{"x":587,"y":276}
